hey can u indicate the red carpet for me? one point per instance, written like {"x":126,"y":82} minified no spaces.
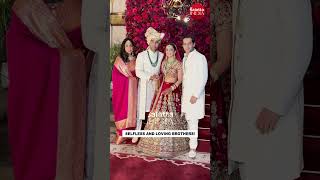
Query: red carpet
{"x":308,"y":176}
{"x":203,"y":145}
{"x":133,"y":167}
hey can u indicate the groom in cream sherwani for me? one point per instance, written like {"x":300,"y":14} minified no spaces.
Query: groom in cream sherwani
{"x":195,"y":76}
{"x":147,"y":70}
{"x":272,"y":50}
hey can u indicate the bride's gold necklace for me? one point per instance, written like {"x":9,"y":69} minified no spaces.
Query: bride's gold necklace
{"x":169,"y":64}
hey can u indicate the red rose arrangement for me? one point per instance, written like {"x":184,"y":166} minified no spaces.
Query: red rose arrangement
{"x":141,"y":14}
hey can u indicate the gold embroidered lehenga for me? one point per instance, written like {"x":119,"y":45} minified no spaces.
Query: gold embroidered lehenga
{"x":166,"y":147}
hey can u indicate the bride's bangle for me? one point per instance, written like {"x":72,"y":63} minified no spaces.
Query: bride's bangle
{"x":173,"y":87}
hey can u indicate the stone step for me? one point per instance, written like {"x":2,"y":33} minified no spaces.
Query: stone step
{"x":311,"y":90}
{"x":311,"y":150}
{"x":309,"y":176}
{"x":203,"y":145}
{"x":204,"y":133}
{"x":311,"y":120}
{"x":205,"y":122}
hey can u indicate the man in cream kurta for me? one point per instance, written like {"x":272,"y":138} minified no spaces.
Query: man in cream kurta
{"x":272,"y":50}
{"x":195,"y":76}
{"x":147,"y":70}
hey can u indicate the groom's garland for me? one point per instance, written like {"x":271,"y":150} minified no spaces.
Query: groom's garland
{"x":153,"y":64}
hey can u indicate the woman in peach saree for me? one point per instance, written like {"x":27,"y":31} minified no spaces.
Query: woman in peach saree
{"x":48,"y":73}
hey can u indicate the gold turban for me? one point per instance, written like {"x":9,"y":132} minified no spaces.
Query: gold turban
{"x":152,"y":34}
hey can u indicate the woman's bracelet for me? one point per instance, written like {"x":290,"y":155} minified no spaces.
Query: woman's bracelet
{"x":173,"y":87}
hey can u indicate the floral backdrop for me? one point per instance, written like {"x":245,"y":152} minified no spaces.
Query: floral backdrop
{"x":141,"y":14}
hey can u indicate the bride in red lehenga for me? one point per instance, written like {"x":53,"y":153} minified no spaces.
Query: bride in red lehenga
{"x":165,"y":113}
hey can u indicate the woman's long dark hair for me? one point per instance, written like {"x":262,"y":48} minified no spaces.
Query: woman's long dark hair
{"x":123,"y":54}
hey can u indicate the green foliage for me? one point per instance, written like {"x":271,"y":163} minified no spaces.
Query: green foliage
{"x":114,"y":52}
{"x":5,"y":9}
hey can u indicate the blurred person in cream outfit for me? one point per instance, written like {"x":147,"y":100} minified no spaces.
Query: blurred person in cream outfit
{"x":94,"y":23}
{"x":271,"y":53}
